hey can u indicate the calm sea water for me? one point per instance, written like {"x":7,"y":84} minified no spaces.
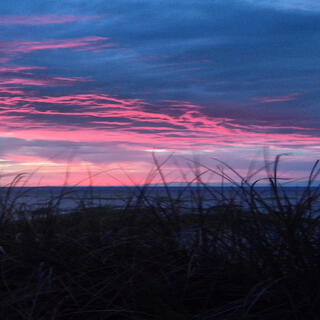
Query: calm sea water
{"x":68,"y":199}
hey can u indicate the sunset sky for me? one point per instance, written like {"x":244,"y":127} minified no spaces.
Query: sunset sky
{"x":98,"y":85}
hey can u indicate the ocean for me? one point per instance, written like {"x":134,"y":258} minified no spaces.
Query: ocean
{"x":189,"y":199}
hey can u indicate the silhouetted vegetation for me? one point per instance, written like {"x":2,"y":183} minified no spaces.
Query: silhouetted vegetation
{"x":154,"y":260}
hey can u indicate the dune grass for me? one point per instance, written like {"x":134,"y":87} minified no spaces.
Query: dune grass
{"x":154,"y":260}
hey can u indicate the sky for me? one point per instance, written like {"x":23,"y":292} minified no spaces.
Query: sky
{"x":91,"y":91}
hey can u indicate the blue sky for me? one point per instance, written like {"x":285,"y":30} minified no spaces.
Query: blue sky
{"x":102,"y":84}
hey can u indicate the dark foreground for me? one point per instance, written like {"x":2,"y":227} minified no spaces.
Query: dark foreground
{"x":150,"y":260}
{"x":226,"y":264}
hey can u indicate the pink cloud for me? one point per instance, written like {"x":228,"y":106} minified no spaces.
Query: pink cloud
{"x":88,"y":43}
{"x":290,"y":97}
{"x":52,"y":172}
{"x":191,"y":128}
{"x":90,"y":101}
{"x":5,"y":59}
{"x":73,"y":79}
{"x":37,"y":20}
{"x":19,"y":69}
{"x":11,"y":91}
{"x":91,"y":119}
{"x":270,"y":127}
{"x":141,"y":128}
{"x":23,"y":81}
{"x":22,"y":158}
{"x":48,"y":82}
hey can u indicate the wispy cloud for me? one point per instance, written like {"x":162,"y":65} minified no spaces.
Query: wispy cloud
{"x":40,"y":82}
{"x":39,"y":20}
{"x":86,"y":43}
{"x":305,"y":5}
{"x":20,"y":69}
{"x":105,"y":118}
{"x":289,"y":97}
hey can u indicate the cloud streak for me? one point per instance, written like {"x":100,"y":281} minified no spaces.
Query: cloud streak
{"x":20,"y":69}
{"x":48,"y":82}
{"x":106,"y":118}
{"x":86,"y":43}
{"x":289,"y":97}
{"x":40,"y":20}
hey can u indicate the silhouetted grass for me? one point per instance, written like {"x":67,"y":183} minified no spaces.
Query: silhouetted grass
{"x":245,"y":257}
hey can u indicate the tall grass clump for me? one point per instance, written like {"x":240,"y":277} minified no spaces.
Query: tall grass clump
{"x":236,"y":252}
